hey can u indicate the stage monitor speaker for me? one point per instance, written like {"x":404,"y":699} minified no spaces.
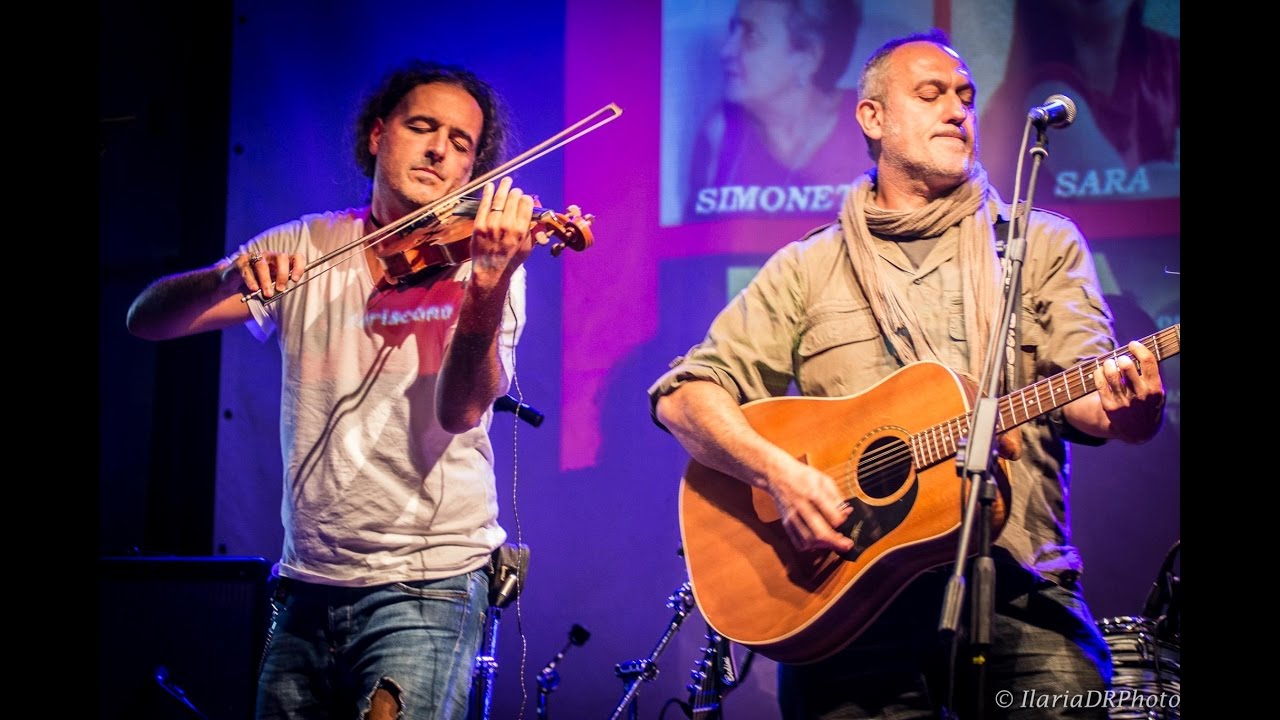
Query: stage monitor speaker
{"x":181,"y":637}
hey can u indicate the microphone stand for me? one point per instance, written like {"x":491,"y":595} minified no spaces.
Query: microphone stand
{"x":636,"y":671}
{"x":509,"y":567}
{"x":975,"y":456}
{"x":549,"y":678}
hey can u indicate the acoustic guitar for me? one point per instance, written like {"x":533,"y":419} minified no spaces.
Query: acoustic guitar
{"x":887,"y":449}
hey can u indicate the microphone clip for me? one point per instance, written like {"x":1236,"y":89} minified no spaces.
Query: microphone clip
{"x":508,"y":568}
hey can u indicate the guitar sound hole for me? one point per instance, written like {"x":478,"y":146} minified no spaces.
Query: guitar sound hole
{"x":883,"y":467}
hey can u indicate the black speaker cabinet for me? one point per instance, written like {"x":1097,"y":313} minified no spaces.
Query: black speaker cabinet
{"x":181,"y":637}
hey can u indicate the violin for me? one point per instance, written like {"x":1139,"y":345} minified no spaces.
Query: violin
{"x":439,"y":234}
{"x":443,"y":238}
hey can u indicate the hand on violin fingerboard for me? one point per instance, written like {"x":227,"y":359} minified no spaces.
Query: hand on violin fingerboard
{"x":501,"y":238}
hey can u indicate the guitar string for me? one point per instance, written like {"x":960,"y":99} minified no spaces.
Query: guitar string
{"x":1083,"y":383}
{"x":899,"y":453}
{"x":876,"y":464}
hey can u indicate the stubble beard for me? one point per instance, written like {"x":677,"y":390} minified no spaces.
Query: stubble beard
{"x":926,"y":167}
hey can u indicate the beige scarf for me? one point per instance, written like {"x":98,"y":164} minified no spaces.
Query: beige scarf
{"x":966,"y":206}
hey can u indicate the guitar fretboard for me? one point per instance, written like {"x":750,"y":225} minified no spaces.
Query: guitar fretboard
{"x":941,"y":441}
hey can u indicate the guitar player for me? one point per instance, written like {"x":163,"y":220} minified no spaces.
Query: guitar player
{"x":909,"y":273}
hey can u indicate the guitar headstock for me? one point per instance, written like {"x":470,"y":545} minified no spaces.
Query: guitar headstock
{"x":713,"y":675}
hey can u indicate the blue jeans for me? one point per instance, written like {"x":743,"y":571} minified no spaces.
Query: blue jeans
{"x":331,"y":648}
{"x":1044,"y":645}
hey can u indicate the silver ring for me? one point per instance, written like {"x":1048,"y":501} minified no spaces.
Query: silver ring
{"x":494,"y":209}
{"x":254,"y":259}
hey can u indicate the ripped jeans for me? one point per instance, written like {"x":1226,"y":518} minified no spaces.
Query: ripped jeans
{"x":331,"y":649}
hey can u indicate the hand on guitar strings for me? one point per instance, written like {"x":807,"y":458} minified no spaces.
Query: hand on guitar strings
{"x":811,"y":508}
{"x":1131,"y":393}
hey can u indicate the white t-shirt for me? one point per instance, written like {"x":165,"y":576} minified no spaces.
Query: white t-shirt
{"x":375,"y":491}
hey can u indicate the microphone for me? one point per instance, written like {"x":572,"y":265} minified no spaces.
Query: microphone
{"x":548,"y":678}
{"x":1056,"y":111}
{"x":506,"y":403}
{"x":578,"y":635}
{"x":504,"y":594}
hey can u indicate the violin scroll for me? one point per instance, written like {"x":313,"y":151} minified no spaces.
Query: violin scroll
{"x":572,"y":230}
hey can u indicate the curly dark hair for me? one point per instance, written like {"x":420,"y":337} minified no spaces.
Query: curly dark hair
{"x":491,"y":148}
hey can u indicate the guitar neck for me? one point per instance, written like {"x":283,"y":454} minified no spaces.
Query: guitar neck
{"x":942,"y":440}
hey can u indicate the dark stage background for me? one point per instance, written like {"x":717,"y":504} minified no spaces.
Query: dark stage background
{"x":220,"y":119}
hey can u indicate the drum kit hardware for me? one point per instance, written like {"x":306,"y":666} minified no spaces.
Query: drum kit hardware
{"x":1145,"y":652}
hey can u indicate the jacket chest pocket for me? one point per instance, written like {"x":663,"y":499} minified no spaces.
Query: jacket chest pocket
{"x":841,"y":352}
{"x":1030,"y":338}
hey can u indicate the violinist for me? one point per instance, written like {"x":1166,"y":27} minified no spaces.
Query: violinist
{"x":390,"y":510}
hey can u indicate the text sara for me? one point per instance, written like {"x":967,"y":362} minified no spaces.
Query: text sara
{"x":1101,"y":183}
